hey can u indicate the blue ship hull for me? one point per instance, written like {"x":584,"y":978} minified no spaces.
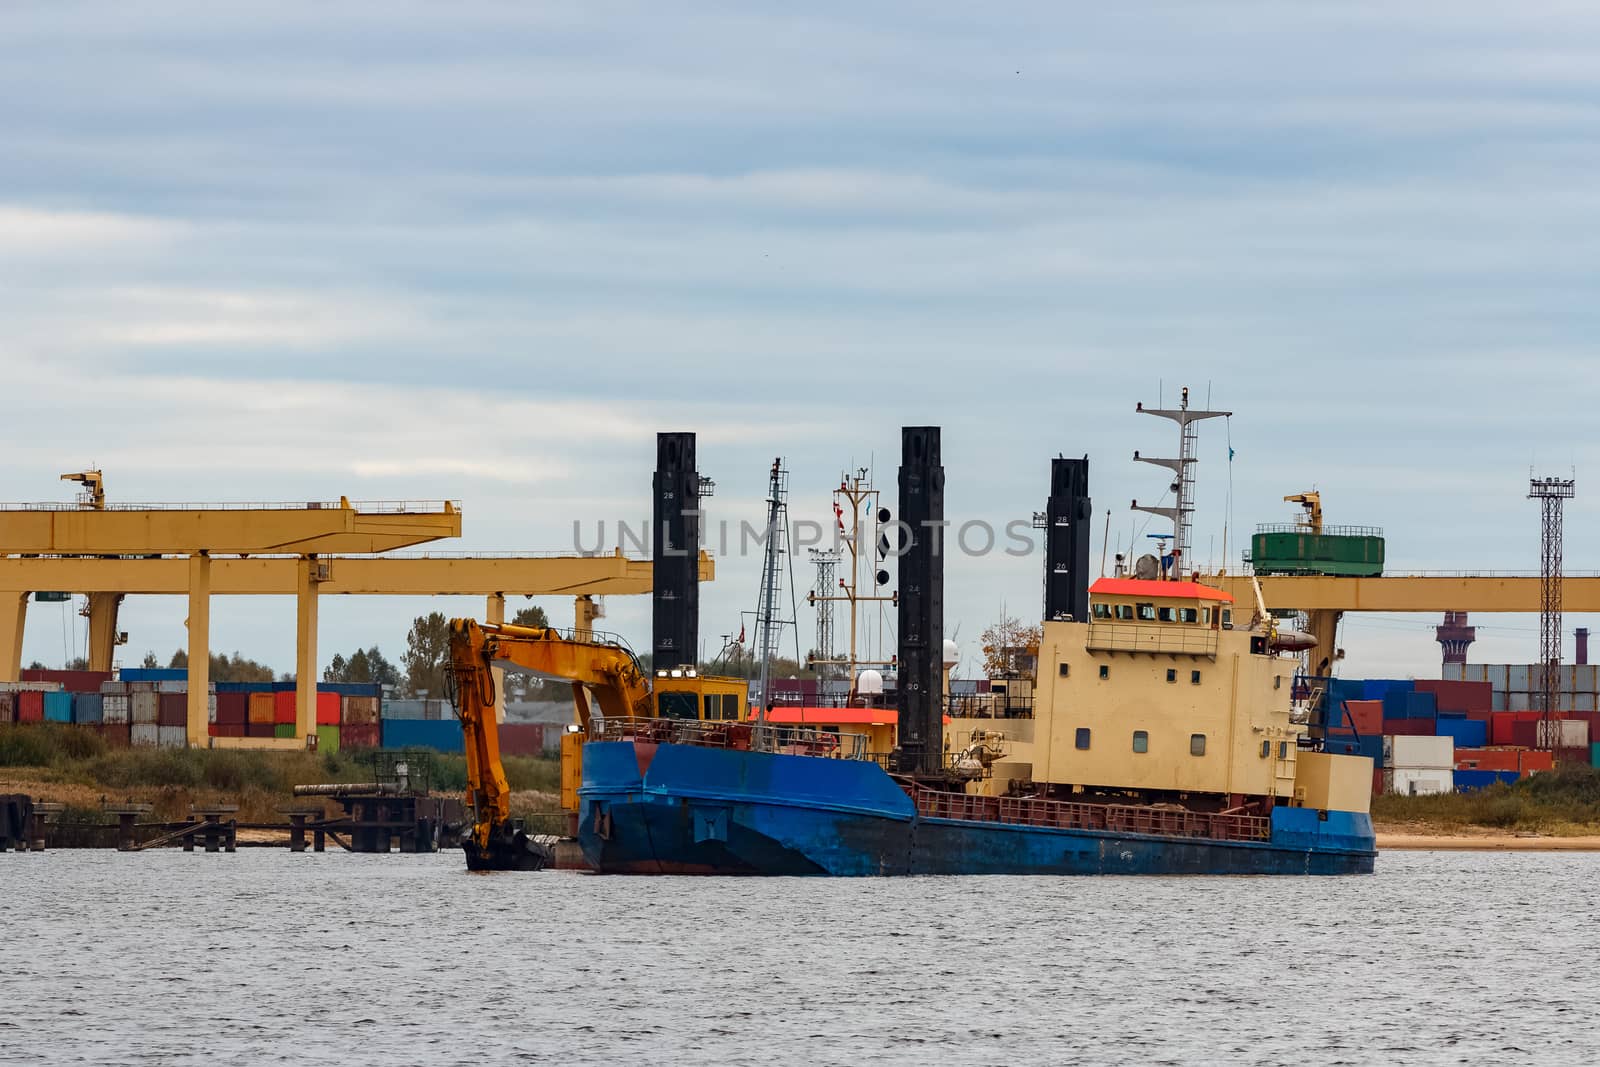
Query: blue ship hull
{"x":684,"y":809}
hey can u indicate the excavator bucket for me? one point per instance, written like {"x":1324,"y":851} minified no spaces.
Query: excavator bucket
{"x":509,"y":849}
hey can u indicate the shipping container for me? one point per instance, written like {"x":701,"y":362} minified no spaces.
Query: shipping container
{"x":403,"y":709}
{"x":1408,"y":727}
{"x":443,"y":736}
{"x":144,"y":735}
{"x":229,"y":729}
{"x":359,"y":734}
{"x":351,"y":689}
{"x":30,"y":706}
{"x":1418,"y":753}
{"x":327,"y":709}
{"x":1472,"y":781}
{"x":154,"y":674}
{"x":283,"y":730}
{"x":261,"y":712}
{"x":108,"y":688}
{"x":115,"y":734}
{"x":283,"y":708}
{"x":1417,"y":782}
{"x":144,"y":708}
{"x":437,"y":710}
{"x":1459,"y":696}
{"x":172,"y":709}
{"x":328,"y":738}
{"x":1466,"y":733}
{"x":88,"y":708}
{"x":70,"y":681}
{"x":1377,"y":781}
{"x":114,"y":708}
{"x":1489,"y":759}
{"x":1365,"y":717}
{"x":358,"y":711}
{"x":233,"y":709}
{"x":58,"y":707}
{"x":173,"y":736}
{"x":8,"y":707}
{"x":524,"y":738}
{"x":260,"y":729}
{"x":178,"y":686}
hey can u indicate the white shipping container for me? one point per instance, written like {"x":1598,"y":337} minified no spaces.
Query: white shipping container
{"x":144,"y":735}
{"x":1419,"y":753}
{"x":115,"y":707}
{"x":1568,"y":733}
{"x":144,"y":708}
{"x":113,"y":687}
{"x":173,"y":736}
{"x":30,"y":687}
{"x":1456,"y":672}
{"x":1520,"y":700}
{"x":172,"y":687}
{"x":211,"y":708}
{"x":1519,"y":678}
{"x":1416,"y":783}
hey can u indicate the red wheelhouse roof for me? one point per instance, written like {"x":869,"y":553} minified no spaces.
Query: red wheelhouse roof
{"x":1168,"y":590}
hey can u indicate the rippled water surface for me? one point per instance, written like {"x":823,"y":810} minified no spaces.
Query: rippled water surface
{"x":265,"y":957}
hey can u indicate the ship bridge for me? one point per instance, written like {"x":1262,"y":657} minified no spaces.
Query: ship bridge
{"x":1143,"y":615}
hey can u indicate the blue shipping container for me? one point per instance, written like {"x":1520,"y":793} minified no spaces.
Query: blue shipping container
{"x":1472,"y":781}
{"x":351,"y":689}
{"x":88,"y":707}
{"x":1468,"y":733}
{"x":1380,"y":688}
{"x":442,"y":735}
{"x":245,"y":687}
{"x":153,"y":674}
{"x":58,"y":707}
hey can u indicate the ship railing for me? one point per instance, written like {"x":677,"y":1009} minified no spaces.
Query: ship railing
{"x":741,"y":736}
{"x":1169,"y":638}
{"x":1076,"y":815}
{"x":1326,"y":531}
{"x":989,"y":706}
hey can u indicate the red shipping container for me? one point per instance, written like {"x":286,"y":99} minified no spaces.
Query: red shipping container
{"x":116,"y":735}
{"x":259,"y":729}
{"x":71,"y":681}
{"x":1536,"y":761}
{"x":1408,"y":727}
{"x":234,"y":710}
{"x":1377,"y":781}
{"x":173,"y":709}
{"x":231,"y":729}
{"x":359,"y":735}
{"x":327,"y":709}
{"x":1500,"y":724}
{"x":1458,"y":696}
{"x":1488,"y":759}
{"x":283,"y":708}
{"x":522,"y":738}
{"x":1365,"y":717}
{"x":30,"y":707}
{"x":1525,"y":733}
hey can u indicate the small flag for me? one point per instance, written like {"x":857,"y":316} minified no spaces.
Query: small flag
{"x":1230,"y":453}
{"x":838,"y":516}
{"x":741,"y":634}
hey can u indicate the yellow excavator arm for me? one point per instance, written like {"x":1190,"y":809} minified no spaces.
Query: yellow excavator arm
{"x":609,"y":671}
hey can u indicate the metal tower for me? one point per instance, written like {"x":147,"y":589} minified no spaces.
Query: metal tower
{"x":826,"y":560}
{"x":769,"y":623}
{"x":1182,"y":513}
{"x":1550,"y":492}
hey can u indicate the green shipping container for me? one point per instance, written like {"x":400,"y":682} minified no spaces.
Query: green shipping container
{"x":327,"y":739}
{"x":1349,"y":551}
{"x":283,"y":730}
{"x":1594,"y":754}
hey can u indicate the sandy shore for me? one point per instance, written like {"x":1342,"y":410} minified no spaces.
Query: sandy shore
{"x":1475,"y":842}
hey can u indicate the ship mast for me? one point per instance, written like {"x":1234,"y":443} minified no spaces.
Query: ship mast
{"x":769,"y":625}
{"x":856,"y":494}
{"x":1182,"y":513}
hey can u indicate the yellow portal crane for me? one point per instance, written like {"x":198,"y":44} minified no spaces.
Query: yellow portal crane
{"x":607,"y":669}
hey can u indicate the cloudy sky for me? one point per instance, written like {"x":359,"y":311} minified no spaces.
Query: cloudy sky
{"x":486,"y":250}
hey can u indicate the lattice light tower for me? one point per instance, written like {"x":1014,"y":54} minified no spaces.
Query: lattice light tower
{"x":822,"y":597}
{"x":1551,"y":494}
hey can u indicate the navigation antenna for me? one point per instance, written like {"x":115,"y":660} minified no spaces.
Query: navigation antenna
{"x":769,"y":623}
{"x":1182,"y":513}
{"x":1551,"y":494}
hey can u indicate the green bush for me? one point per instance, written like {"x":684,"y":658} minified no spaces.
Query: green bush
{"x":26,"y":746}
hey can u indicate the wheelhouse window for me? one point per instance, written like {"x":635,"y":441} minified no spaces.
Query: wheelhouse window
{"x":1147,"y":613}
{"x":1205,"y":616}
{"x":1125,"y":612}
{"x":1102,"y":611}
{"x":1188,"y":615}
{"x":1081,"y":741}
{"x":1167,"y":614}
{"x":1227,"y":619}
{"x":1141,"y":741}
{"x":676,"y":706}
{"x":1197,"y":744}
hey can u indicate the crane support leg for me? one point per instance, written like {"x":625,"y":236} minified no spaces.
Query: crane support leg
{"x":1324,"y":628}
{"x":305,"y":650}
{"x":495,"y":612}
{"x":199,"y":649}
{"x":103,"y":609}
{"x":13,"y":617}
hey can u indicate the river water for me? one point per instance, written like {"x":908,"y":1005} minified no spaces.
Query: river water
{"x":265,"y":957}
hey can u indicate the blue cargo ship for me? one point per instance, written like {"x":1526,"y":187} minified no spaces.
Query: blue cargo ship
{"x":651,"y":807}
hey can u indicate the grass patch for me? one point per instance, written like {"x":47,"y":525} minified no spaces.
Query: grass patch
{"x":1566,"y":802}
